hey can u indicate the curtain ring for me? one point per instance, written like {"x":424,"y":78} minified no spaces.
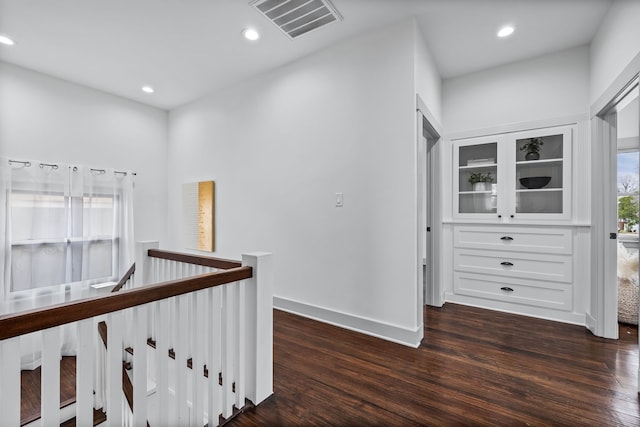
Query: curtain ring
{"x":52,"y":166}
{"x":24,"y":164}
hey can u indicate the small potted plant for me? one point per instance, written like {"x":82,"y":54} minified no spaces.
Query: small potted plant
{"x":481,"y":181}
{"x":532,"y":148}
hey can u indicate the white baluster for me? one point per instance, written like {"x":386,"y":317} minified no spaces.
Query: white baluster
{"x":162,"y":359}
{"x":140,"y":336}
{"x":197,"y":362}
{"x":154,"y":271}
{"x":182,"y":324}
{"x":227,"y":352}
{"x":214,"y":342}
{"x":85,"y":365}
{"x":242,"y":345}
{"x":100,"y":369}
{"x":235,"y":342}
{"x":50,"y":383}
{"x":10,"y":382}
{"x":166,"y":270}
{"x":151,"y":312}
{"x":114,"y":369}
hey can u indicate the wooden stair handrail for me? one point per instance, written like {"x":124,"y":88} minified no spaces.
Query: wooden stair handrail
{"x":124,"y":279}
{"x":205,"y":261}
{"x":16,"y":324}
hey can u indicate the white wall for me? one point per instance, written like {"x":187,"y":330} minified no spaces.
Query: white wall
{"x":428,"y":82}
{"x":51,"y":120}
{"x":548,"y":87}
{"x":615,"y":45}
{"x":281,"y":145}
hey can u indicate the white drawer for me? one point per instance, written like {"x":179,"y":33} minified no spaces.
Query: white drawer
{"x":556,"y":268}
{"x":521,"y":239}
{"x":548,"y":295}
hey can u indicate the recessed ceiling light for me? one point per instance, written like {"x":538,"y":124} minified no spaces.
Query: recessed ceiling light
{"x":147,"y":89}
{"x":6,"y":40}
{"x":505,"y":31}
{"x":251,"y":34}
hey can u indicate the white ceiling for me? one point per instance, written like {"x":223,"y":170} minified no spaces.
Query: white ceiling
{"x":187,"y":48}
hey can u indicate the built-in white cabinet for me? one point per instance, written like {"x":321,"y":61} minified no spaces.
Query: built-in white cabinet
{"x":516,"y":235}
{"x":514,"y":177}
{"x":520,"y":266}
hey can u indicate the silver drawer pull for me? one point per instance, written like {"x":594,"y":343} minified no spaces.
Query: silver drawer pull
{"x":507,"y":263}
{"x":506,"y":238}
{"x":506,"y":289}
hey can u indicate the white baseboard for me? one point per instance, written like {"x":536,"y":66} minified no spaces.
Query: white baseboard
{"x":590,"y":323}
{"x":396,"y":334}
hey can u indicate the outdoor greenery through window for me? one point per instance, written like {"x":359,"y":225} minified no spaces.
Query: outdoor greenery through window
{"x":628,"y":187}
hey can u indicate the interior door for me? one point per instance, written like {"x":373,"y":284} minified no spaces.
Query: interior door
{"x":430,"y":223}
{"x":430,"y":183}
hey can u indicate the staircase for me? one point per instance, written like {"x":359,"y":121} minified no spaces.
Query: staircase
{"x":171,"y":325}
{"x":30,"y":390}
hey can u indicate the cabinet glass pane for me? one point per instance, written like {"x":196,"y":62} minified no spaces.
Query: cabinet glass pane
{"x":539,"y":171}
{"x":478,"y":178}
{"x":482,"y":202}
{"x":539,"y":201}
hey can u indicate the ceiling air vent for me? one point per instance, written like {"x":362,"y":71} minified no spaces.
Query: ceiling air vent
{"x":298,"y":17}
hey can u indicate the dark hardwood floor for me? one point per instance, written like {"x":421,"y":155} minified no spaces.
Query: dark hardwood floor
{"x":475,"y":367}
{"x":30,"y":389}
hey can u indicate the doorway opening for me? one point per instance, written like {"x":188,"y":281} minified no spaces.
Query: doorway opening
{"x":430,"y":231}
{"x":429,"y":216}
{"x":610,"y":228}
{"x":628,"y":160}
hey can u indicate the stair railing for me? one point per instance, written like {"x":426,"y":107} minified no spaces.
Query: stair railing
{"x":218,"y":325}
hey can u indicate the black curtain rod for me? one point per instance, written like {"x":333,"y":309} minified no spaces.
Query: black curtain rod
{"x":75,"y":168}
{"x":26,"y":164}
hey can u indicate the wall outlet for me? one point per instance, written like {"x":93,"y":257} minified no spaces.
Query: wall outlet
{"x":339,"y":200}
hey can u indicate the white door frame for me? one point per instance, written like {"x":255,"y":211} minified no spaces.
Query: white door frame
{"x":428,"y":149}
{"x":604,"y":302}
{"x":420,"y":180}
{"x":603,"y":313}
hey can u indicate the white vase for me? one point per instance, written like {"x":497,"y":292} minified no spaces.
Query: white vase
{"x":482,"y":186}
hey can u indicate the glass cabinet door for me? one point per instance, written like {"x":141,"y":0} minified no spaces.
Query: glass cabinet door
{"x":478,"y":178}
{"x":540,"y":171}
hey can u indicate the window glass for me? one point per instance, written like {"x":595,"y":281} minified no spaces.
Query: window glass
{"x":58,"y":239}
{"x":38,"y":216}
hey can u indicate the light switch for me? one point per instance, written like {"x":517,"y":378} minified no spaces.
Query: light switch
{"x":339,"y":200}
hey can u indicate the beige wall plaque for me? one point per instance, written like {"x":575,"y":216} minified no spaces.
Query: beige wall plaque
{"x":198,"y":213}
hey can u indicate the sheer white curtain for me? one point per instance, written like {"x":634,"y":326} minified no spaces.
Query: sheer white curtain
{"x":102,"y":212}
{"x":64,"y":228}
{"x":5,"y":189}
